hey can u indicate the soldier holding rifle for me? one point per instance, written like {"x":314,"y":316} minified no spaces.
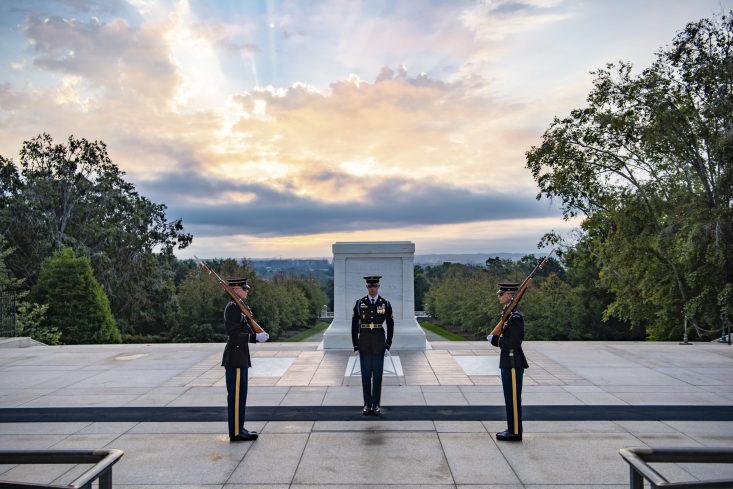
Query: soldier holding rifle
{"x":511,"y":363}
{"x":236,"y":361}
{"x":242,"y":330}
{"x":508,"y":335}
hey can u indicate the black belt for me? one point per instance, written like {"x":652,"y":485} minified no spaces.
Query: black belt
{"x":371,"y":326}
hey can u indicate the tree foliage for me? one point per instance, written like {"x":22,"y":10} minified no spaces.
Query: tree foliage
{"x":73,"y":195}
{"x":561,"y":303}
{"x":421,"y":285}
{"x":278,"y":305}
{"x":28,"y":317}
{"x":649,"y":164}
{"x":200,"y":310}
{"x":77,"y":306}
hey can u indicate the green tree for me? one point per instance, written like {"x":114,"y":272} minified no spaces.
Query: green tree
{"x":551,"y":313}
{"x":200,"y":310}
{"x":421,"y":287}
{"x":464,"y":296}
{"x":591,"y":297}
{"x":554,"y":308}
{"x":77,"y":304}
{"x":314,"y":296}
{"x":28,"y":317}
{"x":649,"y":163}
{"x":498,"y":267}
{"x":265,"y":302}
{"x":284,"y":303}
{"x":73,"y":195}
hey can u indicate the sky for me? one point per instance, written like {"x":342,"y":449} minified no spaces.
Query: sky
{"x":275,"y":129}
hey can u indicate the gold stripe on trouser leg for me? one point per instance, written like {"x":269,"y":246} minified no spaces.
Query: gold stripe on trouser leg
{"x":236,"y":404}
{"x":381,"y":383}
{"x":514,"y":402}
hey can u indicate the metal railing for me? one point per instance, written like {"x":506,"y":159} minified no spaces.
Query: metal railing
{"x":103,"y":461}
{"x":7,"y":314}
{"x":639,"y":459}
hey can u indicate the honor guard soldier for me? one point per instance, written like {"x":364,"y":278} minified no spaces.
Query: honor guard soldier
{"x":511,"y":363}
{"x":367,"y":335}
{"x":236,"y":361}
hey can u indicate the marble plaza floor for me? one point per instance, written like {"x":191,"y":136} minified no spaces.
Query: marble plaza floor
{"x":164,"y":405}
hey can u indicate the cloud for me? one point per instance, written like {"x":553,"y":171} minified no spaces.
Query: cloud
{"x":234,"y":37}
{"x":216,"y":207}
{"x":397,"y":147}
{"x":97,"y":6}
{"x":400,"y":125}
{"x":115,"y":57}
{"x":126,"y":84}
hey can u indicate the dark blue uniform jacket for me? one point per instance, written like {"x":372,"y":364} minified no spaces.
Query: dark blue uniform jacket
{"x":236,"y":353}
{"x":510,"y":343}
{"x":372,"y":341}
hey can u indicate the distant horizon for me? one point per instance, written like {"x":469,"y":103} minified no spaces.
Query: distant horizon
{"x":330,"y":259}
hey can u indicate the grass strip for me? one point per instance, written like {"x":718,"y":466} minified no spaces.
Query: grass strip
{"x":304,"y":335}
{"x":448,"y":335}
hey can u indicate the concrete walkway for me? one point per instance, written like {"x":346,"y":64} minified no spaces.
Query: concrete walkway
{"x":688,"y":390}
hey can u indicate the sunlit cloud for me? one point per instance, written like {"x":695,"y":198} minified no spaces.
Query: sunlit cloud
{"x":279,"y":128}
{"x":476,"y":237}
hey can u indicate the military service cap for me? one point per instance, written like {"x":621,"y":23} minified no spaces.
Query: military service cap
{"x":509,"y":286}
{"x":372,"y":279}
{"x":238,"y":282}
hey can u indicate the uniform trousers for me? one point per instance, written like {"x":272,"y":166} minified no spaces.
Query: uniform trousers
{"x":372,"y":367}
{"x":511,"y":381}
{"x":236,"y":379}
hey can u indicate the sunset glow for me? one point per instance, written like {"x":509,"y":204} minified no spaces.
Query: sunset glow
{"x":279,"y":128}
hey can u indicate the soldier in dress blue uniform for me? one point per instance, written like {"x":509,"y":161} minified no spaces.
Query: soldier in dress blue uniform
{"x":367,"y":335}
{"x":236,"y":361}
{"x":511,"y":363}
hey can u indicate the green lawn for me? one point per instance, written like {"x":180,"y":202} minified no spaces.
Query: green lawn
{"x":304,"y":335}
{"x":434,"y":328}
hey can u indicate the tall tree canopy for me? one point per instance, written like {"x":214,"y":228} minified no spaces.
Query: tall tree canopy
{"x":649,"y":163}
{"x":73,"y":195}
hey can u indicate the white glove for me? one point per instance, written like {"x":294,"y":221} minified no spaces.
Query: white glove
{"x":262,"y":337}
{"x":489,"y":338}
{"x":387,"y":354}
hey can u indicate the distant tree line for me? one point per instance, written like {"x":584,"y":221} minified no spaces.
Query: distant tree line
{"x":282,"y":304}
{"x":561,"y":304}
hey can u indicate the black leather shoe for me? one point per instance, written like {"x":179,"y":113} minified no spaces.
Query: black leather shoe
{"x":246,"y":436}
{"x":376,"y":411}
{"x":506,"y":436}
{"x":366,"y":411}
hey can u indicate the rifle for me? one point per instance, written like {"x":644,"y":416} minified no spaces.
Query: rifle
{"x":512,"y":305}
{"x":236,"y":299}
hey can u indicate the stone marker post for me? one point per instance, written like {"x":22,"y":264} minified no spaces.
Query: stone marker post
{"x":394,"y":261}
